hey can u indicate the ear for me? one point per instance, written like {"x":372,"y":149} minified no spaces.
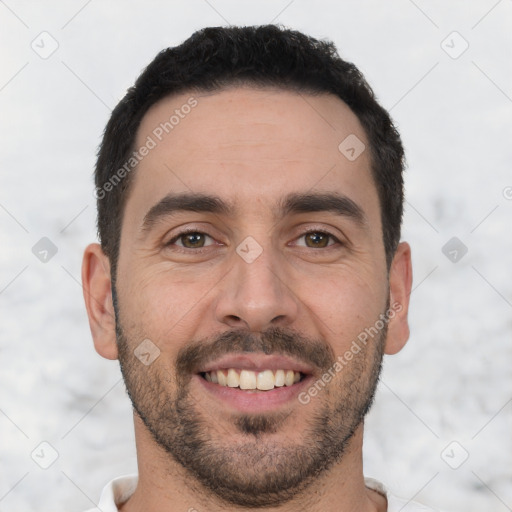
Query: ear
{"x":400,"y":283}
{"x":97,"y":288}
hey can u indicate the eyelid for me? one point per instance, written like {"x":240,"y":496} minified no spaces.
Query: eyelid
{"x":323,"y":231}
{"x":301,"y":234}
{"x":186,"y":231}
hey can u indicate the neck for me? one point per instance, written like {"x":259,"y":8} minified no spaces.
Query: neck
{"x":165,"y":485}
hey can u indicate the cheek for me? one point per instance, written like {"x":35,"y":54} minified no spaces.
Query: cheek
{"x":344,"y":305}
{"x":164,"y":302}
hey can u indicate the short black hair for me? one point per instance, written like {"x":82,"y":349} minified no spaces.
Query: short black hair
{"x":214,"y":58}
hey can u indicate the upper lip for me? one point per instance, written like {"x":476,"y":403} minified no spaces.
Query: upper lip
{"x":256,"y":363}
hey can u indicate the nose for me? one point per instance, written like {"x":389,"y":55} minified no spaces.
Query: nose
{"x":257,"y":295}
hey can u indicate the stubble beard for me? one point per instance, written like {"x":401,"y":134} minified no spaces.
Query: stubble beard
{"x":255,"y":469}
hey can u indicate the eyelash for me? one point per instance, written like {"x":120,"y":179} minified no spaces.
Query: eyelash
{"x":201,"y":249}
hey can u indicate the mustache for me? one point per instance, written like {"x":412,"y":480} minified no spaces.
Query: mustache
{"x":274,"y":340}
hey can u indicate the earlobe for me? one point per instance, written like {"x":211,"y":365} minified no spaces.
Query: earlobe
{"x":97,"y":288}
{"x":400,"y":283}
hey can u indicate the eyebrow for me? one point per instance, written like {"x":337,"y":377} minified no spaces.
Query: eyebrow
{"x":322,"y":202}
{"x":185,"y":202}
{"x":293,"y":203}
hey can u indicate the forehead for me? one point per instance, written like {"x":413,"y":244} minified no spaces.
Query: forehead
{"x":250,"y":144}
{"x":237,"y":118}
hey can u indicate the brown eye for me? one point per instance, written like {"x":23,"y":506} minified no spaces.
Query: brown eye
{"x":317,"y":239}
{"x":190,"y":240}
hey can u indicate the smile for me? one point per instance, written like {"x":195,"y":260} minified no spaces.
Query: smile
{"x":253,"y":380}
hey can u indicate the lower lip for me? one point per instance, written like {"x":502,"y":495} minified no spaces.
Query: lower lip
{"x":252,"y":400}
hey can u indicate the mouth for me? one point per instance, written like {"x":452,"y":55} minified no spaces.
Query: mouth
{"x":254,"y":383}
{"x":264,"y":380}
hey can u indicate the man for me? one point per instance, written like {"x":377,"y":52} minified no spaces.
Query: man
{"x":250,"y":276}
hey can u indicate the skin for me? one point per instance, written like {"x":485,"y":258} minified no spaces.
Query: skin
{"x":251,"y":147}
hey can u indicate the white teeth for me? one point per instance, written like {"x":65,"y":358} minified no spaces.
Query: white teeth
{"x":233,"y":378}
{"x":279,"y":378}
{"x":289,"y":378}
{"x":266,"y":380}
{"x":221,"y":377}
{"x":247,"y":379}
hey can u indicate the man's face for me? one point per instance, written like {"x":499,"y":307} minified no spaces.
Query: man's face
{"x":272,"y":280}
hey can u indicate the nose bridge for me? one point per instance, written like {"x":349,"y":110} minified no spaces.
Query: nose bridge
{"x":259,"y":273}
{"x":255,"y":292}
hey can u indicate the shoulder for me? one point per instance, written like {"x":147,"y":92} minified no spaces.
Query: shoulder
{"x":117,"y":491}
{"x":396,"y":504}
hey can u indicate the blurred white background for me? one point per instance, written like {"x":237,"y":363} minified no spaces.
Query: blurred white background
{"x":440,"y":431}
